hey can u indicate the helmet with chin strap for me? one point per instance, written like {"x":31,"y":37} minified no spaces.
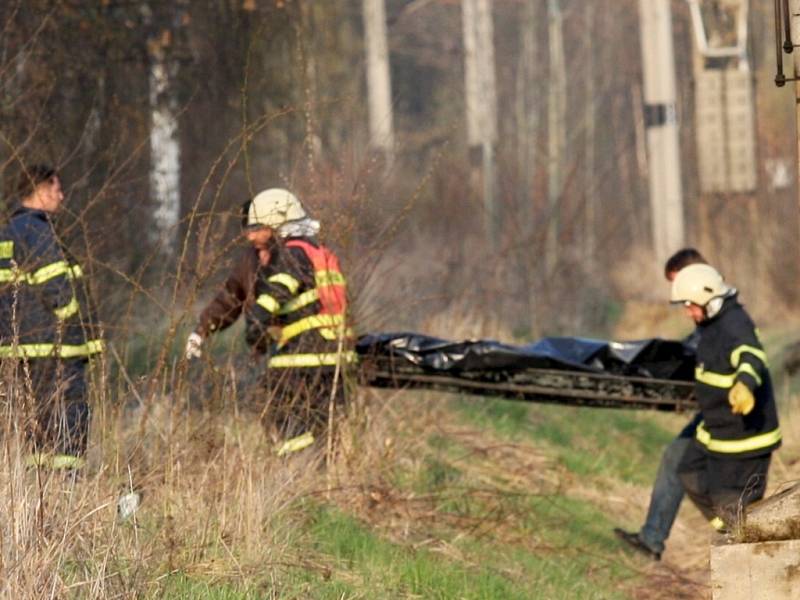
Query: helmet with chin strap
{"x":702,"y":285}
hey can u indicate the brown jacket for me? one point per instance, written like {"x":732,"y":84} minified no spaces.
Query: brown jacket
{"x":235,"y":297}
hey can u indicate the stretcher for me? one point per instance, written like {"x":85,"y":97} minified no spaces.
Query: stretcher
{"x":645,"y":374}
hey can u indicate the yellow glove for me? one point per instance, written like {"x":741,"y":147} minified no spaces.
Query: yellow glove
{"x":741,"y":399}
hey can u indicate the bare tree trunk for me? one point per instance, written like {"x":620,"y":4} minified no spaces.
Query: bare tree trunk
{"x":379,"y":89}
{"x":526,"y":111}
{"x":481,"y":101}
{"x":557,"y":128}
{"x":590,"y":186}
{"x":165,"y":154}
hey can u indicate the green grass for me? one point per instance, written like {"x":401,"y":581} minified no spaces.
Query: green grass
{"x":610,"y":442}
{"x":183,"y":587}
{"x":365,"y":566}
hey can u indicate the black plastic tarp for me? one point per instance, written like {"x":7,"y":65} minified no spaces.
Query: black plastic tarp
{"x":654,"y":358}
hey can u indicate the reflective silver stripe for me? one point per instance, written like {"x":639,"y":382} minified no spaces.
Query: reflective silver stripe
{"x":7,"y":249}
{"x":756,"y":442}
{"x":736,"y":355}
{"x":286,"y":280}
{"x":268,"y":303}
{"x":52,"y":350}
{"x":284,"y":361}
{"x":66,"y":311}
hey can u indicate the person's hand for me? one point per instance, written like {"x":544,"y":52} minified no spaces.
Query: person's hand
{"x":193,"y":346}
{"x":741,"y":399}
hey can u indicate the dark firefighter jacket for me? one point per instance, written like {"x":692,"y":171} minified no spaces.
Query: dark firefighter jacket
{"x":237,"y":296}
{"x":301,"y":307}
{"x":44,"y":304}
{"x":729,"y":352}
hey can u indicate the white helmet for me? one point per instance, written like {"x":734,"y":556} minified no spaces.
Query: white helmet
{"x":699,"y":284}
{"x":274,"y":207}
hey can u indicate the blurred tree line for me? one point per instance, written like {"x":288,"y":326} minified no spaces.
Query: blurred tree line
{"x":272,"y":92}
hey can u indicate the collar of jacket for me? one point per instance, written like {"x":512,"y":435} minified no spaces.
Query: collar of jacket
{"x":35,"y":212}
{"x":727,"y":305}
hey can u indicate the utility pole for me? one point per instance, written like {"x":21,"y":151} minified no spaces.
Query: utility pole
{"x":795,"y":39}
{"x":481,"y":101}
{"x":556,"y":129}
{"x":379,"y":88}
{"x":658,"y":65}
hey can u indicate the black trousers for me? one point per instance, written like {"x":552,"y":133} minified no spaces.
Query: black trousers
{"x":59,"y":393}
{"x":298,"y":399}
{"x":721,"y":486}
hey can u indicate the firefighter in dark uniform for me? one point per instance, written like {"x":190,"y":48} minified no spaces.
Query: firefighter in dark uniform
{"x":725,"y":469}
{"x":47,"y":325}
{"x":300,"y":320}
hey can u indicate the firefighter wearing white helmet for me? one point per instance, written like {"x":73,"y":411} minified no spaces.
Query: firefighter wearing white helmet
{"x":274,"y":207}
{"x":299,"y":316}
{"x":726,"y":466}
{"x":701,"y":285}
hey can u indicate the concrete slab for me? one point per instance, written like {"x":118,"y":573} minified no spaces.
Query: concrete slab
{"x":757,"y":571}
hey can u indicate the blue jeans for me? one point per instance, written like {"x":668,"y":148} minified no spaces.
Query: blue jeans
{"x":667,"y":494}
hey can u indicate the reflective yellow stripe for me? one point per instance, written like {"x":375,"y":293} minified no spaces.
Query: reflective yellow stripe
{"x":748,"y":368}
{"x":300,"y":301}
{"x":284,"y":361}
{"x":717,"y":523}
{"x":8,"y":275}
{"x":736,"y":355}
{"x":322,"y":278}
{"x":42,"y":275}
{"x":268,"y":303}
{"x":48,"y":272}
{"x":714,"y":379}
{"x":287,"y":281}
{"x":68,"y":310}
{"x":7,"y":249}
{"x":51,"y":350}
{"x":296,"y":444}
{"x":307,"y":323}
{"x":54,"y":461}
{"x":755,"y":442}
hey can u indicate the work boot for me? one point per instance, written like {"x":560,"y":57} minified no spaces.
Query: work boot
{"x":634,"y":541}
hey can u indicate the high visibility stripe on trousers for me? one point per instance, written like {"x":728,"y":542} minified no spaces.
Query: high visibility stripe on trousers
{"x":46,"y":350}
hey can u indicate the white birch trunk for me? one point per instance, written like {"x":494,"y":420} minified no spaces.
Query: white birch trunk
{"x":556,"y":128}
{"x":379,"y":88}
{"x":164,"y":151}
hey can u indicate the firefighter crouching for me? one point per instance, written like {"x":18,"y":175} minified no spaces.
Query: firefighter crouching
{"x":725,"y":469}
{"x":300,"y":321}
{"x":46,"y":323}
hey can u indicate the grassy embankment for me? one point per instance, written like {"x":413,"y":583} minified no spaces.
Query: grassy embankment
{"x":429,"y":496}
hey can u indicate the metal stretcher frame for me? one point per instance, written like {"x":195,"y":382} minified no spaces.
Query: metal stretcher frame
{"x":576,"y":388}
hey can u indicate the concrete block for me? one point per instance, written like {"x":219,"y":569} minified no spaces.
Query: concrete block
{"x":775,"y":518}
{"x":758,"y":571}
